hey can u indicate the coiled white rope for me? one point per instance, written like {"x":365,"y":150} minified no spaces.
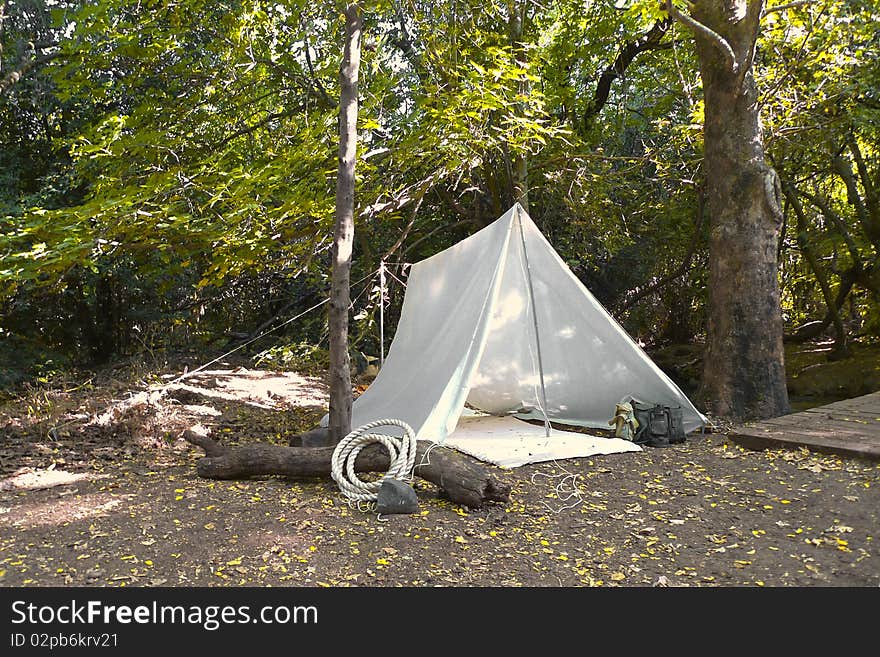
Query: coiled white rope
{"x":401,"y":450}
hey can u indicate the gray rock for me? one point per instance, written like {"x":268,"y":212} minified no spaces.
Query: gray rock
{"x":317,"y":437}
{"x":396,"y":497}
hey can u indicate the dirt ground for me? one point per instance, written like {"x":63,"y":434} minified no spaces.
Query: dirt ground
{"x":96,"y":488}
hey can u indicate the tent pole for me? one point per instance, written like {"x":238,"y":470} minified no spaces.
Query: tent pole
{"x":381,"y":313}
{"x":535,"y":322}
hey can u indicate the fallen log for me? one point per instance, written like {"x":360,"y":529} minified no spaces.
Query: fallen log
{"x":462,"y":479}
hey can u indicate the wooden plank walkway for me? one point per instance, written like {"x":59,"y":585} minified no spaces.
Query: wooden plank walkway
{"x":850,"y":427}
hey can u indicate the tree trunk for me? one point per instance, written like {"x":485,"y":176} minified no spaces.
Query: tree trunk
{"x":343,"y":236}
{"x":744,"y":373}
{"x":841,"y":350}
{"x":460,"y":478}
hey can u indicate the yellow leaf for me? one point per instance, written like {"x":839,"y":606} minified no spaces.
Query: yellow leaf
{"x":616,"y":577}
{"x":234,"y":562}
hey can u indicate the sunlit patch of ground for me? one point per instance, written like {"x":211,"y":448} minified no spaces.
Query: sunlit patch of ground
{"x":30,"y":479}
{"x":272,"y":389}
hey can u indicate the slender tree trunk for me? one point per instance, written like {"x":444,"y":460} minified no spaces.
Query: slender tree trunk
{"x":870,"y":222}
{"x":744,"y":372}
{"x":650,"y":40}
{"x":343,"y":236}
{"x":520,"y":165}
{"x":841,"y":350}
{"x":872,"y":199}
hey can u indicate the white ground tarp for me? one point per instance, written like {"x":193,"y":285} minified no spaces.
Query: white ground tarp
{"x":467,"y":335}
{"x":510,"y":443}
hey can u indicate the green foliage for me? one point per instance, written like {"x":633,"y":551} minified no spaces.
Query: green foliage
{"x":172,"y":168}
{"x":23,"y":360}
{"x":820,"y":85}
{"x":300,"y":356}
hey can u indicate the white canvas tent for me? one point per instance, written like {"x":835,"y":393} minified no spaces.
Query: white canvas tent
{"x":498,"y":321}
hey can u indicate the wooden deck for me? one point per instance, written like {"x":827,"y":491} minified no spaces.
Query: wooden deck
{"x":850,"y":427}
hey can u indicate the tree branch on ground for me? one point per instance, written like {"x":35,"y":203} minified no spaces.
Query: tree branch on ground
{"x":461,"y":478}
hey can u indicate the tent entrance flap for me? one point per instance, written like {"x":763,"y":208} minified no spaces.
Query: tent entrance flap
{"x":534,"y":321}
{"x":509,"y":375}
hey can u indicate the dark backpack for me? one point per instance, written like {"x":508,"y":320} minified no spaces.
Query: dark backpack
{"x":659,"y":425}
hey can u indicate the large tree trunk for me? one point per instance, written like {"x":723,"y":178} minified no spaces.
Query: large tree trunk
{"x":744,"y":373}
{"x":460,"y":478}
{"x":343,"y":237}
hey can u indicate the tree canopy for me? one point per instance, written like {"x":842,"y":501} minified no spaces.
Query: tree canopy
{"x":168,"y":168}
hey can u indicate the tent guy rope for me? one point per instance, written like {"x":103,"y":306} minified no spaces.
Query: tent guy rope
{"x":159,"y":392}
